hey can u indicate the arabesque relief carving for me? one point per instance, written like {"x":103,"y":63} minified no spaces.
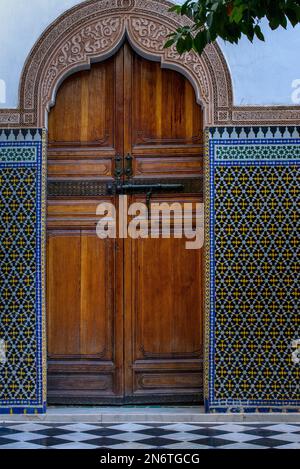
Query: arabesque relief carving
{"x":93,"y":31}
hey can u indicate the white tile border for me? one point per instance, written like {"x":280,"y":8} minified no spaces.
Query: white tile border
{"x":147,"y":414}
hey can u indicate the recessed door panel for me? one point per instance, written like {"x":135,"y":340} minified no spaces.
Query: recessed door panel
{"x":64,"y":274}
{"x":82,"y":338}
{"x":80,"y":297}
{"x":164,"y":111}
{"x":164,"y":304}
{"x":84,"y":109}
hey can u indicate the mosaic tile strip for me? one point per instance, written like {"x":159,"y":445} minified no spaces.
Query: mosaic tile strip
{"x":22,"y":181}
{"x":18,"y":155}
{"x":19,"y":135}
{"x":254,"y":270}
{"x":248,"y":133}
{"x":270,"y":150}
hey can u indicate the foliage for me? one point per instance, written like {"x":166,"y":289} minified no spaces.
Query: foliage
{"x":230,"y":20}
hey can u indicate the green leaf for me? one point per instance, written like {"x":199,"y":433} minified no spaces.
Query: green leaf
{"x":215,"y":6}
{"x":250,"y":33}
{"x":237,"y":14}
{"x":180,"y":46}
{"x":200,"y":41}
{"x":169,"y":43}
{"x":188,"y":42}
{"x":274,"y":23}
{"x":184,"y":8}
{"x":292,"y":16}
{"x":210,"y":20}
{"x":176,"y":8}
{"x":259,"y":33}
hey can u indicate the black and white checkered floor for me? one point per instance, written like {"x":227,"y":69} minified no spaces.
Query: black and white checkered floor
{"x":149,"y":436}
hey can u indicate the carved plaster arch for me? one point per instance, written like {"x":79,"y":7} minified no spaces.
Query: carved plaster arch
{"x":93,"y":31}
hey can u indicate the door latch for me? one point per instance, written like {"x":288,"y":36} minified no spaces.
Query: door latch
{"x":148,"y":189}
{"x":118,"y":167}
{"x":129,"y":169}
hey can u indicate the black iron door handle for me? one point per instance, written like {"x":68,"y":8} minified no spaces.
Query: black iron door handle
{"x":129,"y":169}
{"x":119,"y":188}
{"x":146,"y":188}
{"x":118,"y":166}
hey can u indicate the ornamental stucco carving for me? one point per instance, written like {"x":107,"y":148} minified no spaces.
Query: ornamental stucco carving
{"x":91,"y":41}
{"x":93,"y":30}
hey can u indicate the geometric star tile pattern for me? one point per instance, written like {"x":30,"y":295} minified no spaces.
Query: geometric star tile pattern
{"x":21,"y":382}
{"x":254,"y":265}
{"x":256,"y":279}
{"x":17,"y":281}
{"x":149,"y":436}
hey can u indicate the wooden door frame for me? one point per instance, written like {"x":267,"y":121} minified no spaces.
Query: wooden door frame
{"x":90,"y":32}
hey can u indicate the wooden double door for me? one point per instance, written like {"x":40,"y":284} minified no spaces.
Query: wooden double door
{"x":124,"y":316}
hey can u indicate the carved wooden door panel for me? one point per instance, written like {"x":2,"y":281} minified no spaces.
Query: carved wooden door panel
{"x":84,"y":273}
{"x":124,"y":316}
{"x":163,"y":280}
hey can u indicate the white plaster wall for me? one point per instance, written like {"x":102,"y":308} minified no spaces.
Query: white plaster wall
{"x":266,"y":73}
{"x":262,"y":73}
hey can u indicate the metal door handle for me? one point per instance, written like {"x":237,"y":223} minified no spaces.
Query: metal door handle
{"x":118,"y":166}
{"x":129,"y":169}
{"x":152,"y":188}
{"x":149,"y":189}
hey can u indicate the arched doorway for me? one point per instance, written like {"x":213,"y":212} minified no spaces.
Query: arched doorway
{"x":124,"y":316}
{"x":90,"y":33}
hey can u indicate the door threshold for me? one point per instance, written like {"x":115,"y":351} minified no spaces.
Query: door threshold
{"x":146,"y":414}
